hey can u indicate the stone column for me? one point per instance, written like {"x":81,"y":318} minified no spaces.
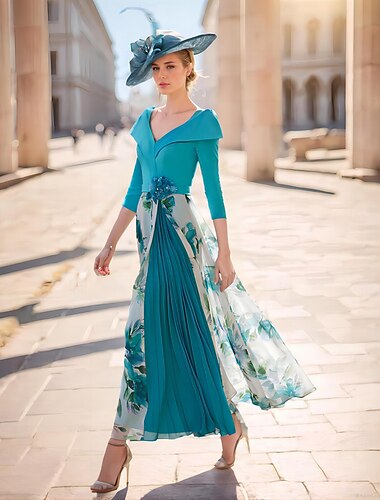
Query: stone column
{"x":33,"y":81}
{"x":262,"y":92}
{"x":7,"y":160}
{"x":229,"y":102}
{"x":363,"y":84}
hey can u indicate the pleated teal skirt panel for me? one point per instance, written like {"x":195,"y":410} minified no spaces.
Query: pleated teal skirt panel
{"x":184,"y":385}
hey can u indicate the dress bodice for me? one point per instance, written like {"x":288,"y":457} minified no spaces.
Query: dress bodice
{"x":176,"y":155}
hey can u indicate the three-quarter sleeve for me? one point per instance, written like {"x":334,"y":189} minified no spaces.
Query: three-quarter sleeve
{"x":135,"y":188}
{"x":208,"y":157}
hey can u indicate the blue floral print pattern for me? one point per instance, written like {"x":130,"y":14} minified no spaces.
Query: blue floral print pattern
{"x":134,"y":394}
{"x":191,"y":236}
{"x":256,"y":365}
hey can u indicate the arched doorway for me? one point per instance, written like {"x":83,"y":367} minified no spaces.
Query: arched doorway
{"x":337,"y":100}
{"x":312,"y":87}
{"x":55,"y":114}
{"x":288,"y":90}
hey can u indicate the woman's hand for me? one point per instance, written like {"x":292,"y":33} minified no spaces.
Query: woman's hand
{"x":223,"y":265}
{"x":102,"y":261}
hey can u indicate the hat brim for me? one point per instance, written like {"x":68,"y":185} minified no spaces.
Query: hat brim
{"x":197,"y":44}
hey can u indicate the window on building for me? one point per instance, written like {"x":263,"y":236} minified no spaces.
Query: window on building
{"x":312,"y":36}
{"x":53,"y":62}
{"x":339,"y":36}
{"x":312,"y":91}
{"x":337,"y":105}
{"x":53,"y":11}
{"x":288,"y":32}
{"x":288,"y":98}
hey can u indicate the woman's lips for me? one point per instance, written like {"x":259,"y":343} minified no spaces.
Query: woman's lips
{"x":163,"y":84}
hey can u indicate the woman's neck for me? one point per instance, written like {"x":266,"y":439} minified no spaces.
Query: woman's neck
{"x":178,"y":102}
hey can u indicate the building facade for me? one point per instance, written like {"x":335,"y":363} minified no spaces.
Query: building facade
{"x":82,"y":66}
{"x":297,"y":64}
{"x":313,"y":59}
{"x":313,"y":63}
{"x":57,"y":73}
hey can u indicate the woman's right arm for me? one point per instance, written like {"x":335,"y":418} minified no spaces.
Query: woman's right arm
{"x":125,"y":217}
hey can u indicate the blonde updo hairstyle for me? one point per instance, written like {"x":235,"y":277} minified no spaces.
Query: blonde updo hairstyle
{"x":187,"y":57}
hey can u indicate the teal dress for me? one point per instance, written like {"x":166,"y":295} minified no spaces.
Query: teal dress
{"x":192,"y":352}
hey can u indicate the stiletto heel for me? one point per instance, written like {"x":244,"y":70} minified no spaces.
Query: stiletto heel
{"x":244,"y":434}
{"x":127,"y":472}
{"x":102,"y":486}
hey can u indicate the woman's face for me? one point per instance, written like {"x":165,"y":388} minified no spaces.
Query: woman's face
{"x":169,"y":73}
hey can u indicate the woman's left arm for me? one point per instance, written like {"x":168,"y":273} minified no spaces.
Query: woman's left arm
{"x":207,"y":151}
{"x":223,"y":263}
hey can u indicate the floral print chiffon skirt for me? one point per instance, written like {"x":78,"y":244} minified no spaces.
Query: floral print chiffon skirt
{"x":192,"y":352}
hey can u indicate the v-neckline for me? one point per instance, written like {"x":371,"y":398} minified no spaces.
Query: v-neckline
{"x":172,"y":130}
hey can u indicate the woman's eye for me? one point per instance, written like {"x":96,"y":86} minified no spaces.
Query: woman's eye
{"x":154,"y":68}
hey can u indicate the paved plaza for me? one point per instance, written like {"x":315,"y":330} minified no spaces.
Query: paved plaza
{"x":307,"y":250}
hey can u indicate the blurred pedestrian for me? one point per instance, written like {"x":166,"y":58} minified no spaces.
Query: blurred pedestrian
{"x":100,"y":130}
{"x":76,"y":134}
{"x":111,"y":133}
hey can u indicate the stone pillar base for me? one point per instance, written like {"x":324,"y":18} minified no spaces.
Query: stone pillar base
{"x":363,"y":174}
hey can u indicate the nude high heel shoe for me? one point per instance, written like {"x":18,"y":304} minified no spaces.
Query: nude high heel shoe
{"x":102,"y":486}
{"x":221,"y":463}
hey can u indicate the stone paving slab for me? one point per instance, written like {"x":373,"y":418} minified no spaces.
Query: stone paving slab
{"x":330,"y":490}
{"x":306,"y":256}
{"x":355,"y":421}
{"x":350,"y":465}
{"x":63,"y":205}
{"x":276,"y":490}
{"x":175,"y":491}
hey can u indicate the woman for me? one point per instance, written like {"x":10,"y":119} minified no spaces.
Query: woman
{"x":196,"y":344}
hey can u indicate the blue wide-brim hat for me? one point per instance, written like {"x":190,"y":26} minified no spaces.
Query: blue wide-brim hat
{"x":158,"y":45}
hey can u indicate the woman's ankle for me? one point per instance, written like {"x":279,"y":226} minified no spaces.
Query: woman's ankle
{"x":118,"y":434}
{"x":238,"y":427}
{"x":116,"y":442}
